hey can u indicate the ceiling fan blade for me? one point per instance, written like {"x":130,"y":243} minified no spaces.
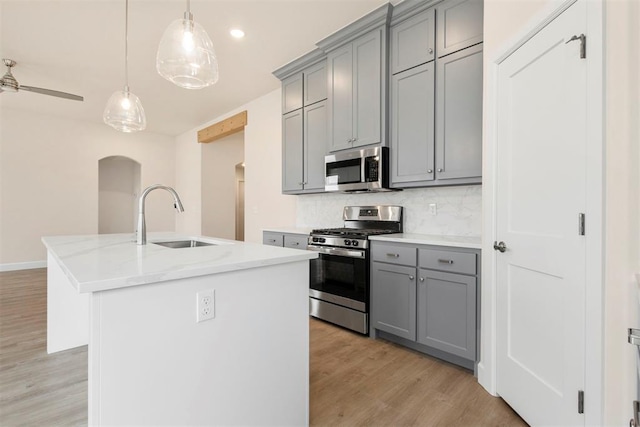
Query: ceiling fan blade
{"x":52,"y":93}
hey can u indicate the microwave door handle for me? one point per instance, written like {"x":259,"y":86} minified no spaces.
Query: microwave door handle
{"x":363,"y":169}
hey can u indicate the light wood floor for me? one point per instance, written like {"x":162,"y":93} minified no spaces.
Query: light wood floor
{"x":355,"y":381}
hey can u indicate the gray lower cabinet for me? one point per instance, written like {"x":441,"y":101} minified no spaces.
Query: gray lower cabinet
{"x":287,"y":240}
{"x":428,"y":302}
{"x":394,"y":304}
{"x":272,"y":238}
{"x":447,"y":312}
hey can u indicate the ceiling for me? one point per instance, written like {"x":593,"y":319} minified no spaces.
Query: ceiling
{"x":77,"y":46}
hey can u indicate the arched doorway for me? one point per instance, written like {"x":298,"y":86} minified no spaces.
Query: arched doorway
{"x":119,"y":186}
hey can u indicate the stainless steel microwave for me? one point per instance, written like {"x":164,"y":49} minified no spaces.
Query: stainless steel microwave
{"x":357,"y":170}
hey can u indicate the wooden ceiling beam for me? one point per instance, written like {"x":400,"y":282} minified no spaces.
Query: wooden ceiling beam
{"x":224,"y":128}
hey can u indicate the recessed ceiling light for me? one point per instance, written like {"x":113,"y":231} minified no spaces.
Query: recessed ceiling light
{"x":237,"y":33}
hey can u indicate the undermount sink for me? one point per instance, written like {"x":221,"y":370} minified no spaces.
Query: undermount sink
{"x":176,"y":244}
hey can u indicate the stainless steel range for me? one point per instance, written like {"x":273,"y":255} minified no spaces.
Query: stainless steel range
{"x":339,"y":278}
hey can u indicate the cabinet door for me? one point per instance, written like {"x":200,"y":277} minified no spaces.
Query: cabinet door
{"x":367,"y":102}
{"x":447,"y":312}
{"x":292,"y":174}
{"x":340,"y":70}
{"x":460,"y":25}
{"x":412,"y":125}
{"x":315,"y":145}
{"x":272,"y":239}
{"x":393,"y":299}
{"x":292,"y":93}
{"x":459,"y":115}
{"x":295,"y":241}
{"x":413,"y":41}
{"x":315,"y":83}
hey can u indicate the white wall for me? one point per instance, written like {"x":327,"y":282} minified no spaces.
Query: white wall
{"x":219,"y":160}
{"x":622,"y":228}
{"x":49,"y":179}
{"x":265,"y":206}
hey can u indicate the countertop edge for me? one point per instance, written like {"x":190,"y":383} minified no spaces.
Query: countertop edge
{"x":468,"y":242}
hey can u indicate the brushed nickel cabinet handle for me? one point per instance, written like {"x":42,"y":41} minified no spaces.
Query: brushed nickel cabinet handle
{"x":394,"y":255}
{"x":445,"y":261}
{"x":411,"y":277}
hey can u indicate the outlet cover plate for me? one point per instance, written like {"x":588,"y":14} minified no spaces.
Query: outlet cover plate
{"x":205,"y":305}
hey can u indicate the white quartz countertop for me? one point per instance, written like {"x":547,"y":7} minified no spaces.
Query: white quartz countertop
{"x":110,"y":261}
{"x":290,"y":230}
{"x":471,"y":242}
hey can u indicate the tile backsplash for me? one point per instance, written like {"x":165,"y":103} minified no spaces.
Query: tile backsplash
{"x":459,"y":209}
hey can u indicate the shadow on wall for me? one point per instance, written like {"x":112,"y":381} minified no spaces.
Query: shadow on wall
{"x":118,"y":186}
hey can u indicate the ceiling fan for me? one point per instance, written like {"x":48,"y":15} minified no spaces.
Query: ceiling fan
{"x":8,"y":83}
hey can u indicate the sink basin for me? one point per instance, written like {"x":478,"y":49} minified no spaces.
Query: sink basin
{"x":184,"y":244}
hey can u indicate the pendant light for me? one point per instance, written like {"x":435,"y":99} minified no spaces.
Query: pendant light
{"x":124,"y":110}
{"x":185,"y":54}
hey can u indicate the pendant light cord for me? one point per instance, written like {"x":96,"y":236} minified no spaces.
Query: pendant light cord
{"x":188,"y":6}
{"x":126,"y":46}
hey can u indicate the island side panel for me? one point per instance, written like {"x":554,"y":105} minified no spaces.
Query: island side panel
{"x":67,"y":311}
{"x":150,"y":363}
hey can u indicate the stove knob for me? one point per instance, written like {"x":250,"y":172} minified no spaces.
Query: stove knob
{"x":354,"y":243}
{"x":314,"y":239}
{"x":347,"y":242}
{"x":322,"y":240}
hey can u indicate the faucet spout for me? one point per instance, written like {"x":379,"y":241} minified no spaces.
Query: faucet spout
{"x":141,"y":230}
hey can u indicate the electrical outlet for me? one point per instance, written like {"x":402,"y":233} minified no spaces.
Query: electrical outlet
{"x":433,"y":209}
{"x":205,"y":305}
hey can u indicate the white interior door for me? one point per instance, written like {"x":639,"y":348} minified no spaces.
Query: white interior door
{"x":541,"y":170}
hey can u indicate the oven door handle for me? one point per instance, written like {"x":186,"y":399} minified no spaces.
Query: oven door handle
{"x":337,"y":251}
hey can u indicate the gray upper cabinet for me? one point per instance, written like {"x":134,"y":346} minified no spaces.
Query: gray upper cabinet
{"x":357,"y":65}
{"x":413,"y":42}
{"x":460,"y":25}
{"x":435,"y":117}
{"x":315,"y":83}
{"x":354,"y":93}
{"x":292,"y":151}
{"x":292,"y":93}
{"x":412,"y":125}
{"x":304,"y":123}
{"x":459,"y":116}
{"x":315,"y":145}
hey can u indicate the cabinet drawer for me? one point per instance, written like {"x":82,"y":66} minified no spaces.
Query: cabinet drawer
{"x":295,"y":241}
{"x":457,"y":262}
{"x":273,"y":239}
{"x":394,"y":254}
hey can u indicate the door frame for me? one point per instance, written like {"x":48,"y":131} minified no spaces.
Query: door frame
{"x":595,"y":183}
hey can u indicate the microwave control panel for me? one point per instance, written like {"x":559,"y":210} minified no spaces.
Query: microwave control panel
{"x":371,"y":171}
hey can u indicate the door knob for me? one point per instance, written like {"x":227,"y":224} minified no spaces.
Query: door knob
{"x":499,"y":246}
{"x":430,"y":51}
{"x":411,"y":277}
{"x":429,"y":170}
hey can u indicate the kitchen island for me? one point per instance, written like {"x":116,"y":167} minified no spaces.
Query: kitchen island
{"x":150,"y":361}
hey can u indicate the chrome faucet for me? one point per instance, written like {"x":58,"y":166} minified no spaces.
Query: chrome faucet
{"x":141,"y":230}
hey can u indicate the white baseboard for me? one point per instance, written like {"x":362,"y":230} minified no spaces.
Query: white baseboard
{"x":23,"y":265}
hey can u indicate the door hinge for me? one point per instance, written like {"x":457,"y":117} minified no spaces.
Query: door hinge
{"x":583,"y":44}
{"x":581,"y":224}
{"x":580,"y":401}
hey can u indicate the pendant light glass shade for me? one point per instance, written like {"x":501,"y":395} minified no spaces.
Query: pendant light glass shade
{"x":124,"y":112}
{"x":186,"y":56}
